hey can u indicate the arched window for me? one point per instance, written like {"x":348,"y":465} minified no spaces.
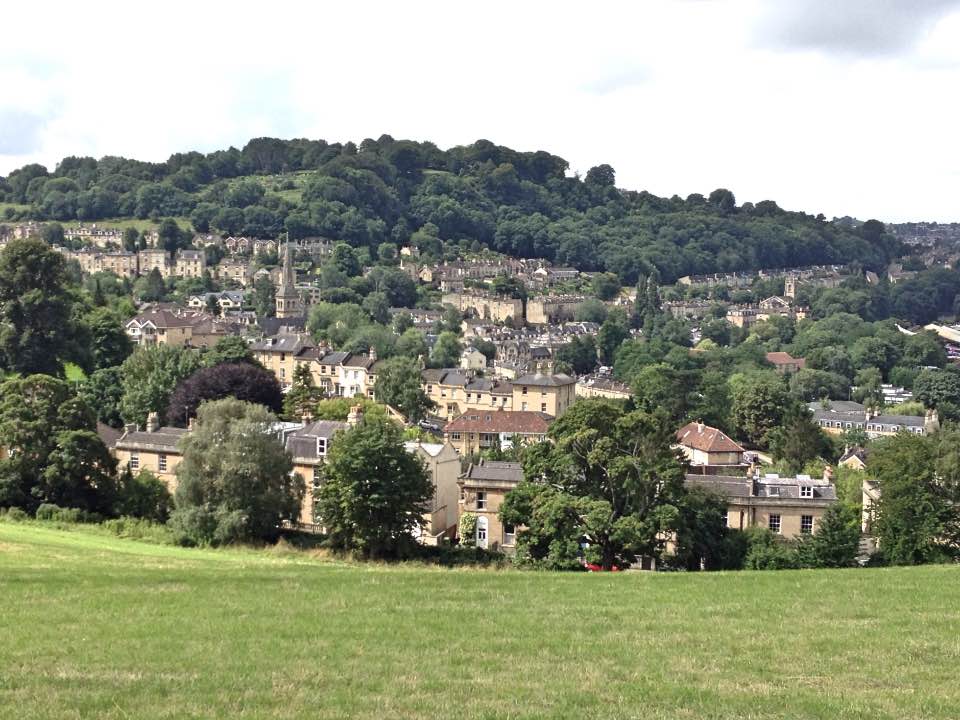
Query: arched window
{"x":481,"y":532}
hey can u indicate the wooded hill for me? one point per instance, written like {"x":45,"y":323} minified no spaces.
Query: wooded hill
{"x":481,"y":195}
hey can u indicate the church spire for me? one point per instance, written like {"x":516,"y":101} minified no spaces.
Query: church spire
{"x":288,"y":299}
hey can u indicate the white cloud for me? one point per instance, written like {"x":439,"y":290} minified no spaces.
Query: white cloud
{"x":679,"y":97}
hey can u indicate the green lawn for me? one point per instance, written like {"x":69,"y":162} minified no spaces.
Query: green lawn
{"x":93,"y":627}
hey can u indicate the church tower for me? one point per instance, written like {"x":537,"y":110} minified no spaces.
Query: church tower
{"x":288,"y":299}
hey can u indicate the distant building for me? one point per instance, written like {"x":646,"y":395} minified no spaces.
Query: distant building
{"x":288,"y":301}
{"x":705,"y":445}
{"x":784,"y":363}
{"x":841,"y":415}
{"x":483,"y":488}
{"x":788,"y":506}
{"x":478,"y":430}
{"x":602,"y":386}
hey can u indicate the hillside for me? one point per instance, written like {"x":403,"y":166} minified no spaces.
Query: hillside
{"x":481,"y":195}
{"x":106,"y":628}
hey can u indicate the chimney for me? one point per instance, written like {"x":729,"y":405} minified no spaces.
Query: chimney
{"x":699,"y":426}
{"x":828,"y":474}
{"x":373,"y":354}
{"x":356,"y":414}
{"x":931,"y":422}
{"x":190,"y":423}
{"x":153,"y":422}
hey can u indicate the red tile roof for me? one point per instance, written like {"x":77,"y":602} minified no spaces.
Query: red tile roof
{"x":783,"y":358}
{"x":500,"y":421}
{"x":705,"y":438}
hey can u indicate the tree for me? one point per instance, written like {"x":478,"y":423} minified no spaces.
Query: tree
{"x":601,"y":175}
{"x":80,"y":473}
{"x":131,"y":239}
{"x":229,"y":349}
{"x":622,"y":474}
{"x":759,"y":402}
{"x":412,"y":344}
{"x":373,"y":491}
{"x":924,"y":350}
{"x":808,"y":385}
{"x":150,"y":376}
{"x":102,"y":391}
{"x":605,"y":286}
{"x":235,"y":481}
{"x":143,"y":495}
{"x":935,"y":387}
{"x":509,"y":286}
{"x":701,"y":531}
{"x":213,"y":304}
{"x":580,"y":354}
{"x":612,"y":334}
{"x":264,"y":297}
{"x":913,"y":509}
{"x":836,"y":542}
{"x":36,"y":329}
{"x":109,"y":342}
{"x":590,"y":310}
{"x":153,"y":289}
{"x":243,"y":381}
{"x":170,"y":237}
{"x":52,"y":234}
{"x":53,"y":454}
{"x":798,"y":440}
{"x":399,"y":385}
{"x":446,"y":351}
{"x":299,"y":404}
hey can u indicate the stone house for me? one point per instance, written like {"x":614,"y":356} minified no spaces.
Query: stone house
{"x":483,"y":488}
{"x":788,"y":506}
{"x":478,"y":430}
{"x":705,"y":445}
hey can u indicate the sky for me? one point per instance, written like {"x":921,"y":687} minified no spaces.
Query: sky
{"x":845,"y":107}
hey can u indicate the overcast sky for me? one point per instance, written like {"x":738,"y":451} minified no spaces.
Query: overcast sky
{"x":834,"y":106}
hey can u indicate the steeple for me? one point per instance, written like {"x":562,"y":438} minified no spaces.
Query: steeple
{"x":287,"y":298}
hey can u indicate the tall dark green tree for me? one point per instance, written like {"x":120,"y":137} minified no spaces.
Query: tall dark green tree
{"x":36,"y":328}
{"x":621,"y":470}
{"x":373,"y":490}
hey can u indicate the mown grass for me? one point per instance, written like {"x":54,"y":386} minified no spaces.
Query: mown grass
{"x":94,"y":626}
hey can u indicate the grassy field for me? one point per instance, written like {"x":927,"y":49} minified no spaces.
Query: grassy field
{"x":95,"y":627}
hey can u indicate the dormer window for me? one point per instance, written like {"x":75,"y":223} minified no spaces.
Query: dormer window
{"x":806,"y":491}
{"x":321,"y":446}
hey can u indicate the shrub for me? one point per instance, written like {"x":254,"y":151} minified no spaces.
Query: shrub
{"x":200,"y":525}
{"x":139,"y":529}
{"x":143,"y":495}
{"x":16,"y":514}
{"x":769,"y":552}
{"x":54,"y":513}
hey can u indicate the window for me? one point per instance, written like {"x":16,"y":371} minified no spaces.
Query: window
{"x":316,"y":476}
{"x":283,"y":373}
{"x":543,"y":407}
{"x":454,"y":436}
{"x":162,"y":462}
{"x":481,"y":500}
{"x":724,"y":519}
{"x":134,"y":461}
{"x":509,"y":534}
{"x":482,"y":532}
{"x":523,"y":406}
{"x":321,"y":446}
{"x":806,"y":491}
{"x":524,"y":391}
{"x":774,"y":523}
{"x":806,"y":524}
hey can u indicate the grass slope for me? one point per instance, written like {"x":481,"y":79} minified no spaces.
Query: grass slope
{"x":97,"y":627}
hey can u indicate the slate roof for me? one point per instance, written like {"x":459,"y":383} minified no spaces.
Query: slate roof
{"x":539,"y":379}
{"x":161,"y":439}
{"x":494,"y":470}
{"x":705,"y":438}
{"x":302,"y":443}
{"x":283,"y":343}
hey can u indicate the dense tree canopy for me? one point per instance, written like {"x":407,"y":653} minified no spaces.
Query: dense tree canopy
{"x":397,"y":191}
